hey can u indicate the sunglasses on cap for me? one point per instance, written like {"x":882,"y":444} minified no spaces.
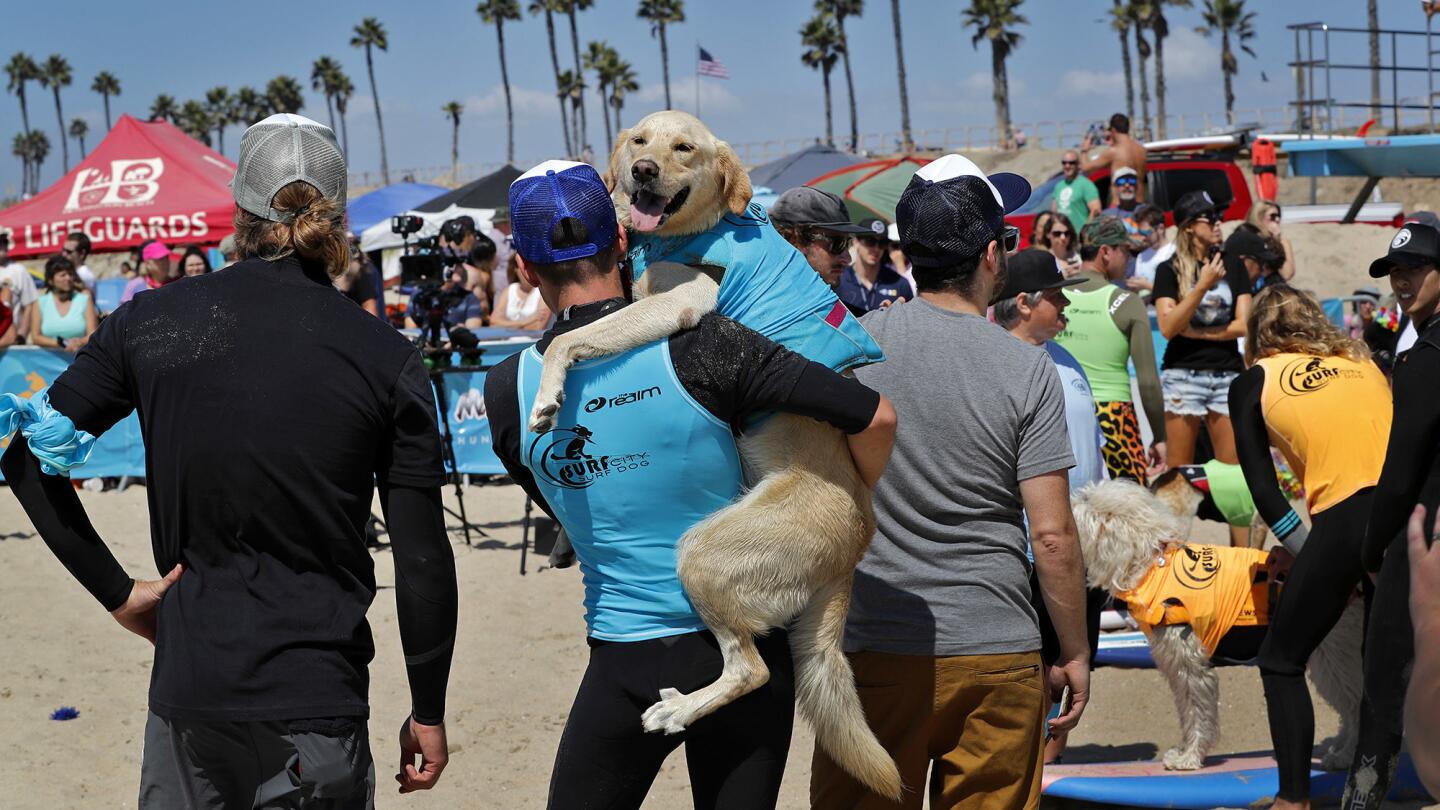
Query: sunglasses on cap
{"x":834,"y":244}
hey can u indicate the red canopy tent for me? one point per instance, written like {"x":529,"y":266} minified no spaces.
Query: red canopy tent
{"x":144,"y":181}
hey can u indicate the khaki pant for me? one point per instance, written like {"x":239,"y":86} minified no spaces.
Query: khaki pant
{"x":978,"y":719}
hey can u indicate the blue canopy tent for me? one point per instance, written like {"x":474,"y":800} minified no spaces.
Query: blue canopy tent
{"x":383,"y":203}
{"x":799,"y":168}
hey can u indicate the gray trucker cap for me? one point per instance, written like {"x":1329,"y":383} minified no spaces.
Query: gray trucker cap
{"x":280,"y":150}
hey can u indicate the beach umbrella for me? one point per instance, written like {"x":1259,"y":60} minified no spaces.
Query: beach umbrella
{"x":871,"y":189}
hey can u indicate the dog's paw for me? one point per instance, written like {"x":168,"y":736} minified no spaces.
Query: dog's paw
{"x":542,"y":416}
{"x":671,"y":715}
{"x":1179,"y":759}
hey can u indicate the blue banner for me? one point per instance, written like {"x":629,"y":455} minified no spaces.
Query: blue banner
{"x":464,"y":408}
{"x":27,"y":370}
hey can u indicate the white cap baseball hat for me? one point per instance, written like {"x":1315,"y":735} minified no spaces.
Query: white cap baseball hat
{"x":280,"y":150}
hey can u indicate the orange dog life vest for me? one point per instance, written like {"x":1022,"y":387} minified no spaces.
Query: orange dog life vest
{"x":1210,"y":588}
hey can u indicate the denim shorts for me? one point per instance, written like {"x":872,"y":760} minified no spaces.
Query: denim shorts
{"x":1192,"y":393}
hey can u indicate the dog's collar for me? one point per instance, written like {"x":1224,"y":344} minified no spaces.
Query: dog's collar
{"x":591,"y":309}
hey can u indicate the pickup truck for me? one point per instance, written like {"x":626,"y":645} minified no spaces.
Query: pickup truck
{"x":1169,"y":174}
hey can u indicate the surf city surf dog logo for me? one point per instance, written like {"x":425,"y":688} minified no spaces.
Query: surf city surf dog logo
{"x":1198,"y":567}
{"x":572,"y":458}
{"x":129,"y":182}
{"x":1310,"y":374}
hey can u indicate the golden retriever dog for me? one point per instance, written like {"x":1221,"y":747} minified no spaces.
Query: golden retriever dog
{"x":1124,"y":531}
{"x":784,"y":554}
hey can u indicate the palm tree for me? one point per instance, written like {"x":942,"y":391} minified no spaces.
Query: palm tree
{"x":907,"y":143}
{"x":322,"y":77}
{"x":20,"y":148}
{"x":841,"y":9}
{"x":1231,"y":20}
{"x":196,"y":120}
{"x":284,"y":94}
{"x":822,"y":49}
{"x":548,"y":8}
{"x":370,"y":34}
{"x":1372,"y":17}
{"x":106,"y":85}
{"x":1161,"y":27}
{"x":78,"y":130}
{"x":996,"y":20}
{"x":602,"y":58}
{"x":572,"y":91}
{"x":222,"y":109}
{"x":622,"y":83}
{"x":452,"y":111}
{"x":21,"y":69}
{"x":249,"y":106}
{"x":1120,"y":21}
{"x":38,"y":145}
{"x":164,"y":109}
{"x":343,"y":91}
{"x":572,"y":7}
{"x":496,"y":12}
{"x":55,"y":74}
{"x":1139,"y":20}
{"x":660,"y":13}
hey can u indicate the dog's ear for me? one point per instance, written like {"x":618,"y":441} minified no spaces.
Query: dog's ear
{"x":734,"y":182}
{"x":612,"y":166}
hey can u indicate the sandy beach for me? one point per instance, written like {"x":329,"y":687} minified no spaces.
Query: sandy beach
{"x":519,"y":657}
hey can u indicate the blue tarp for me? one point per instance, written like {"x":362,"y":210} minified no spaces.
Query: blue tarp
{"x":383,"y":203}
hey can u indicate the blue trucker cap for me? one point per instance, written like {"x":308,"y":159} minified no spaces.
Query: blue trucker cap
{"x":556,"y":190}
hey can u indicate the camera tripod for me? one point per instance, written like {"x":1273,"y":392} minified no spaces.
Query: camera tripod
{"x":447,"y":448}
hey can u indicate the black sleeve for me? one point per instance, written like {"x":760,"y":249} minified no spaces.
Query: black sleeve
{"x":502,"y":409}
{"x":411,"y":454}
{"x":1239,"y":281}
{"x":734,"y":372}
{"x":1252,"y":445}
{"x":1167,"y":284}
{"x":363,"y":288}
{"x":426,"y":598}
{"x":1414,"y":434}
{"x":53,"y":506}
{"x":95,"y":391}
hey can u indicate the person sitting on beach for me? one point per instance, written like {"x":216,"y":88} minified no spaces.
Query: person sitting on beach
{"x":1121,"y":151}
{"x":520,"y":305}
{"x":65,"y":315}
{"x":673,"y":462}
{"x":194,"y":262}
{"x":267,"y":430}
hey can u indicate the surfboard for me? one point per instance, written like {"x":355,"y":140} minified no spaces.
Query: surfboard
{"x":1125,"y":650}
{"x":1230,"y":780}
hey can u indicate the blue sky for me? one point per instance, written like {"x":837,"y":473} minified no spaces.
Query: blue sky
{"x":1067,"y":67}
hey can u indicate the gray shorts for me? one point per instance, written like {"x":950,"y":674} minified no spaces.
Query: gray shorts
{"x":1196,"y":393}
{"x":262,"y":765}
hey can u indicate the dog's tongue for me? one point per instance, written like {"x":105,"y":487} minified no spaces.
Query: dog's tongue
{"x":646,"y":209}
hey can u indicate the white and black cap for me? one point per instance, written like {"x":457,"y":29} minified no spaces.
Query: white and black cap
{"x":1413,"y":245}
{"x":280,"y":150}
{"x":951,"y":210}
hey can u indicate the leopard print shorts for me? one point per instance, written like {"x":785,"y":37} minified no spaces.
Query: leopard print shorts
{"x":1124,"y":449}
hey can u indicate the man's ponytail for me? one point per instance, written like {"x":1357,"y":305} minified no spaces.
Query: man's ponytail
{"x":316,"y":235}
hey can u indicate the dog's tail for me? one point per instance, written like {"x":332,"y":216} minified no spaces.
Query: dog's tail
{"x":825,"y":692}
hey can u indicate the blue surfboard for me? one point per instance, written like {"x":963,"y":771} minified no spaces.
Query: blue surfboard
{"x":1124,"y":650}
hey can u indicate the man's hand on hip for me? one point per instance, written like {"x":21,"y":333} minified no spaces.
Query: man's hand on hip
{"x":138,"y":613}
{"x":428,"y":743}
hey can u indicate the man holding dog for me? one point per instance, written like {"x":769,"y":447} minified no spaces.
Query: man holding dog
{"x":941,"y":633}
{"x":642,"y":449}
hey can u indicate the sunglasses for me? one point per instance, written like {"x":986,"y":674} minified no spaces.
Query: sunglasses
{"x":1127,"y":181}
{"x":1069,"y":163}
{"x":1273,"y":217}
{"x":1059,"y":233}
{"x":874,"y":241}
{"x":834,"y":245}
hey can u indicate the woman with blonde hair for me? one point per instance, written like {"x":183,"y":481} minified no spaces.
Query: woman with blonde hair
{"x":1313,"y":391}
{"x":271,"y":407}
{"x":1201,"y":305}
{"x":1265,"y":218}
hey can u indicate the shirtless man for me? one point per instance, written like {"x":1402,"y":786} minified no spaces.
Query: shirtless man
{"x":1122,"y":151}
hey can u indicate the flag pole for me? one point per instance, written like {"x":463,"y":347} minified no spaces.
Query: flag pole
{"x":697,"y":78}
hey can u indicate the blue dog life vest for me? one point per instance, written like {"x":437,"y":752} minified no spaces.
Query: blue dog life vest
{"x":769,"y":286}
{"x":631,"y":464}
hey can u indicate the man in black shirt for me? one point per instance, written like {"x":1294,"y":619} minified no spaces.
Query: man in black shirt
{"x":270,"y":408}
{"x":643,"y":635}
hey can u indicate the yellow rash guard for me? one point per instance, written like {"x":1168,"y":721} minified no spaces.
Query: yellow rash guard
{"x":1210,"y":588}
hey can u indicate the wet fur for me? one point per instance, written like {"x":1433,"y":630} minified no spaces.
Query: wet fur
{"x":783,"y":554}
{"x":1123,"y":529}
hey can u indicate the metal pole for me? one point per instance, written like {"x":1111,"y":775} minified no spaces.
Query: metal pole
{"x":1429,"y":74}
{"x":1329,"y":96}
{"x":1394,"y":83}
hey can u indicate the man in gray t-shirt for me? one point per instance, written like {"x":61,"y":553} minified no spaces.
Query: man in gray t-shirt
{"x":941,"y":633}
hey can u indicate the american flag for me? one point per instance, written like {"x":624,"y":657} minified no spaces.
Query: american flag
{"x":709,"y":66}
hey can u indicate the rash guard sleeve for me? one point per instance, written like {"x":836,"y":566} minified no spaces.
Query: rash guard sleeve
{"x":1132,"y":319}
{"x":1252,"y":445}
{"x":426,"y":597}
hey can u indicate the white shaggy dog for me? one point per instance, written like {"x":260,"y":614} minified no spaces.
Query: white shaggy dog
{"x":1124,"y":530}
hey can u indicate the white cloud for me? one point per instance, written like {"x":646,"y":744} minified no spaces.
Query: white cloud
{"x":1081,"y":82}
{"x":526,"y":102}
{"x":714,"y":97}
{"x":1189,"y":55}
